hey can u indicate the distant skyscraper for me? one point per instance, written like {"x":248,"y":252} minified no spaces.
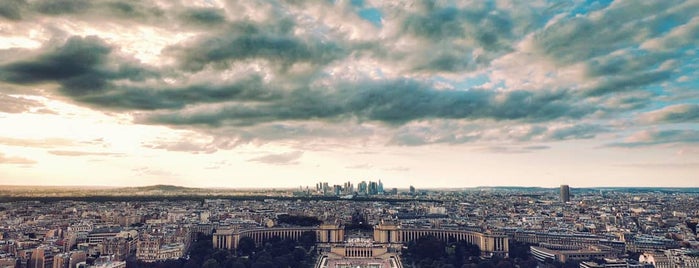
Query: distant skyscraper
{"x":348,"y":188}
{"x":565,"y":193}
{"x":362,"y":188}
{"x":373,"y":188}
{"x":326,"y":189}
{"x":337,"y":189}
{"x":380,"y":187}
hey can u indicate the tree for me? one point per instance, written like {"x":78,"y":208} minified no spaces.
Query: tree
{"x":485,"y":264}
{"x":519,"y":250}
{"x":307,"y":239}
{"x":246,"y":246}
{"x":504,"y":264}
{"x":429,"y":247}
{"x":239,"y":264}
{"x":298,"y":220}
{"x":221,"y":255}
{"x":210,"y":263}
{"x":299,"y":254}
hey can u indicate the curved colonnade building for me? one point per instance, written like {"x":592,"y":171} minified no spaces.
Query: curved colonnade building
{"x":385,"y":235}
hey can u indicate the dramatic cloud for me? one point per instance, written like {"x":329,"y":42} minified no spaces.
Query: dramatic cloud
{"x":11,"y":9}
{"x":81,"y":66}
{"x":390,"y":102}
{"x":205,"y":16}
{"x":681,"y":113}
{"x":247,"y":40}
{"x":609,"y":47}
{"x":332,"y":77}
{"x":467,"y":37}
{"x":287,"y":71}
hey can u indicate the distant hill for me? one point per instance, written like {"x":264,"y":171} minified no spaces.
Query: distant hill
{"x":163,"y":188}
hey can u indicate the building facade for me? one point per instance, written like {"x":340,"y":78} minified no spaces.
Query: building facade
{"x":383,"y":234}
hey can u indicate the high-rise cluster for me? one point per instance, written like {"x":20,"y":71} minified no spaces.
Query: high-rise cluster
{"x":347,"y":188}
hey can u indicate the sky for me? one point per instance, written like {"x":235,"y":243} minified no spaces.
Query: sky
{"x":274,"y":93}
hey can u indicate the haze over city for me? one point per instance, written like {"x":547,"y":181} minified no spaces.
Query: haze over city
{"x":288,"y":93}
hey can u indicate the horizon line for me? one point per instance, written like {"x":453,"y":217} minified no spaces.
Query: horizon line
{"x":296,"y":187}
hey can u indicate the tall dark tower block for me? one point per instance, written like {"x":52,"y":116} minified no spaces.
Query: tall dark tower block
{"x":565,"y":193}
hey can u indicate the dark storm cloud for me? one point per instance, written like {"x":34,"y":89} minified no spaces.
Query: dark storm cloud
{"x":391,"y":102}
{"x":245,"y":40}
{"x":140,"y":10}
{"x":489,"y":29}
{"x":204,"y":16}
{"x":86,"y":73}
{"x":582,"y":37}
{"x":454,"y":33}
{"x":97,"y":11}
{"x":11,"y":9}
{"x":78,"y":59}
{"x":436,"y":24}
{"x":143,"y":98}
{"x":57,"y":7}
{"x":81,"y":66}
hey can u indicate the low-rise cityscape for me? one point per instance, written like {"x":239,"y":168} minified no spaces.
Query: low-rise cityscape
{"x":362,"y":226}
{"x":349,"y":133}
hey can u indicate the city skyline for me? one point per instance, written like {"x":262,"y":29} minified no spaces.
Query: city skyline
{"x":444,"y":94}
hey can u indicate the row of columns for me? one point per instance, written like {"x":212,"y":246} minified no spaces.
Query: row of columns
{"x":359,"y":252}
{"x":221,"y":241}
{"x":471,"y":238}
{"x":260,"y":236}
{"x":330,"y":235}
{"x":230,"y":240}
{"x":500,"y":244}
{"x":484,"y":242}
